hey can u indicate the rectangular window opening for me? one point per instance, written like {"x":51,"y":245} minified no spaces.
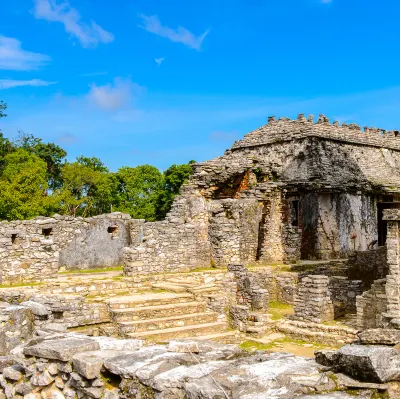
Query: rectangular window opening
{"x":14,"y":238}
{"x":47,"y":232}
{"x":295,"y":213}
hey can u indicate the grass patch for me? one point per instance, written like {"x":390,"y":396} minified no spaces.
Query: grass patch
{"x":252,"y":345}
{"x":26,"y":284}
{"x":207,"y":269}
{"x":279,"y":310}
{"x":90,"y":271}
{"x":280,"y":343}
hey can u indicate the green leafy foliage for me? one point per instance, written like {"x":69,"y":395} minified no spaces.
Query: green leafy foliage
{"x":23,"y":186}
{"x":139,"y":190}
{"x":36,"y":179}
{"x":174,"y":177}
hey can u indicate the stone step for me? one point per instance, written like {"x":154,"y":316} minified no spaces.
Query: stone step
{"x":126,"y":327}
{"x":167,"y":334}
{"x":159,"y":311}
{"x":148,"y":299}
{"x":204,"y":288}
{"x":314,"y":332}
{"x":183,"y":283}
{"x":227,"y":337}
{"x":169,"y":287}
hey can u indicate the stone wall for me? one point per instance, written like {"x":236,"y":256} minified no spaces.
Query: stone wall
{"x":335,"y":225}
{"x":368,"y":266}
{"x":392,"y":315}
{"x":343,"y":294}
{"x":322,"y":298}
{"x":372,"y":306}
{"x":313,"y":300}
{"x":251,"y":289}
{"x":282,"y":287}
{"x":34,"y":250}
{"x":178,"y":243}
{"x":233,"y":231}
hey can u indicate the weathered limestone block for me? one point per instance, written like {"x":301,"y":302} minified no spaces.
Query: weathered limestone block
{"x":16,"y":327}
{"x":37,"y":308}
{"x":62,"y":349}
{"x":365,"y":363}
{"x":313,"y":300}
{"x":382,"y":336}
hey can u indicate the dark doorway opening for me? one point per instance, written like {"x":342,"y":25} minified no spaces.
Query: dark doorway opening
{"x":382,"y":224}
{"x":261,"y":232}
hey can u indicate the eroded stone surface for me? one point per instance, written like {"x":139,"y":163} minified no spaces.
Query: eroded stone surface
{"x":62,"y":349}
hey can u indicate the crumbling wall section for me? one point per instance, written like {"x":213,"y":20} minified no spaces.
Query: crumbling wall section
{"x":392,"y":316}
{"x":179,"y":243}
{"x":343,"y":294}
{"x":372,"y":306}
{"x":346,"y":223}
{"x":313,"y":300}
{"x":233,"y":231}
{"x":34,"y":250}
{"x":368,"y":266}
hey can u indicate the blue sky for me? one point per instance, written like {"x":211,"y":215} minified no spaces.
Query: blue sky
{"x":145,"y":81}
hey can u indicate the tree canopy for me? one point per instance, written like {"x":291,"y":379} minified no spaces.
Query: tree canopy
{"x":36,"y":179}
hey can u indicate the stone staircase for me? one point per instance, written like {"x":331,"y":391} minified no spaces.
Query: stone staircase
{"x":162,"y":316}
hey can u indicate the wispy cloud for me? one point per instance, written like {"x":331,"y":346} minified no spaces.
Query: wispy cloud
{"x":90,"y":35}
{"x":67,"y":138}
{"x":180,"y":35}
{"x":100,"y":73}
{"x":13,"y":57}
{"x":220,"y":135}
{"x":10,"y":83}
{"x":159,"y":61}
{"x":112,"y":96}
{"x":325,"y":1}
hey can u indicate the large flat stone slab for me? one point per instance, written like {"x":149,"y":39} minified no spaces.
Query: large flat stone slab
{"x":381,"y":336}
{"x":61,"y":349}
{"x":372,"y":363}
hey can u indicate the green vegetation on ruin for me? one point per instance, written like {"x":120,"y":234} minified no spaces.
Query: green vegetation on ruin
{"x":281,"y":342}
{"x":92,"y":271}
{"x":279,"y":310}
{"x":26,"y":284}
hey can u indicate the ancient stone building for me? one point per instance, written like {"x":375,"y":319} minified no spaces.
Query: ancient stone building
{"x":290,"y":190}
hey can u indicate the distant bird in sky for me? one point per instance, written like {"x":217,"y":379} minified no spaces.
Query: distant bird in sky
{"x":159,"y":61}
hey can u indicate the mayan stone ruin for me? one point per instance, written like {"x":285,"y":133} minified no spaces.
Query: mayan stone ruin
{"x":275,"y":275}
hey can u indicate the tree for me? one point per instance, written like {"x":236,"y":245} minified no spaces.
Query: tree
{"x":6,"y":146}
{"x":174,"y":177}
{"x":92,"y":162}
{"x":88,"y":188}
{"x":139,"y":189}
{"x":3,"y":107}
{"x":51,"y":153}
{"x":23,"y":186}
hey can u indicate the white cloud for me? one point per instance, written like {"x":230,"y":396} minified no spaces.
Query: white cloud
{"x":10,"y":83}
{"x":220,"y":135}
{"x":67,"y":138}
{"x":100,"y":73}
{"x":112,"y":96}
{"x":90,"y":35}
{"x":181,"y":35}
{"x":159,"y":61}
{"x":13,"y":57}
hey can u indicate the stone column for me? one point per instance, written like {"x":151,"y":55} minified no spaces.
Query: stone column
{"x":392,"y":315}
{"x":313,"y":300}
